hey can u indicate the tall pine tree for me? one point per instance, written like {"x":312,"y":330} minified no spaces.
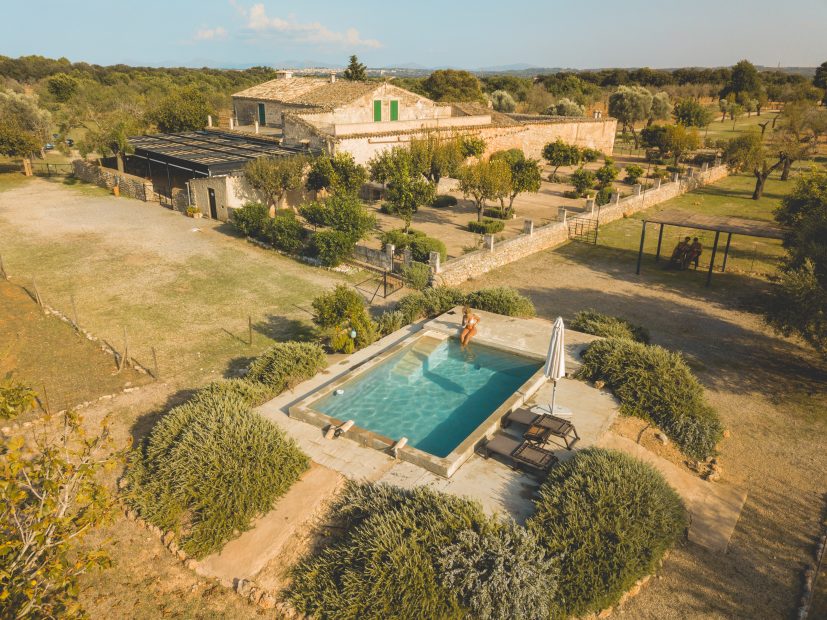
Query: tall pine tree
{"x":355,"y":71}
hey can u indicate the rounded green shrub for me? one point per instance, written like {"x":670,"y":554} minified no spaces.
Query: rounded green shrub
{"x":422,"y":246}
{"x":656,"y":384}
{"x":444,"y":200}
{"x":176,"y":481}
{"x":251,"y":218}
{"x":332,"y":247}
{"x":440,"y":299}
{"x":286,"y":364}
{"x":599,"y":324}
{"x":501,"y":300}
{"x":412,"y":307}
{"x":390,"y":321}
{"x":486,"y":227}
{"x":340,"y":312}
{"x":609,"y":518}
{"x":399,"y":238}
{"x":417,"y":275}
{"x":284,"y":232}
{"x":498,"y":213}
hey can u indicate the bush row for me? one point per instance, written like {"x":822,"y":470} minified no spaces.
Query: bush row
{"x":656,"y":384}
{"x":498,"y":213}
{"x":434,"y":301}
{"x":603,"y":520}
{"x":599,"y":324}
{"x":176,"y":482}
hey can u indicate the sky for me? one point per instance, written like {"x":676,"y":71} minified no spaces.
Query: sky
{"x":577,"y":34}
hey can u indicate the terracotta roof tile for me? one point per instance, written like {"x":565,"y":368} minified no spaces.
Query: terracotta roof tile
{"x":312,"y":92}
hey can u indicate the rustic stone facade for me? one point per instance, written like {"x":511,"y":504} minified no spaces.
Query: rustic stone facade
{"x":465,"y":267}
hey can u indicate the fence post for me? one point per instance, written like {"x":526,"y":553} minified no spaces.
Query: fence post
{"x":657,"y":183}
{"x":528,"y":227}
{"x":3,"y":273}
{"x":615,"y":198}
{"x":37,"y":294}
{"x":488,"y":242}
{"x":590,"y":205}
{"x":390,"y":249}
{"x":433,"y":261}
{"x":561,"y":214}
{"x":637,"y":189}
{"x":407,"y":257}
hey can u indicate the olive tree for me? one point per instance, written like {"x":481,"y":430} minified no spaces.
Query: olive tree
{"x":485,"y":180}
{"x":630,"y":105}
{"x":337,"y":173}
{"x":525,"y":174}
{"x":558,"y":153}
{"x":566,"y":107}
{"x":747,"y":153}
{"x":51,"y":497}
{"x":691,"y":113}
{"x":661,"y":108}
{"x":275,"y":176}
{"x":503,"y":101}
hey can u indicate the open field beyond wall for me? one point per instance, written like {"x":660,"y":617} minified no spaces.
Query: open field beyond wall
{"x":184,"y":287}
{"x":770,"y":392}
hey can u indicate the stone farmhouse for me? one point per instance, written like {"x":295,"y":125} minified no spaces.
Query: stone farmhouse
{"x":364,"y":118}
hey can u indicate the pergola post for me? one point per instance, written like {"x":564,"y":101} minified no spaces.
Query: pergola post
{"x":712,"y":258}
{"x":660,"y":239}
{"x":640,"y":251}
{"x":726,"y":252}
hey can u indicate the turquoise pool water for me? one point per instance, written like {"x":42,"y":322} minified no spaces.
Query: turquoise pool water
{"x":433,"y":392}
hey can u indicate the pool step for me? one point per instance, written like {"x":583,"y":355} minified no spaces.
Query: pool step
{"x":411,"y":362}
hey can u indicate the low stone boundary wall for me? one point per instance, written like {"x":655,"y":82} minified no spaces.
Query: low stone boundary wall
{"x":130,"y":186}
{"x":378,"y":258}
{"x":494,"y":255}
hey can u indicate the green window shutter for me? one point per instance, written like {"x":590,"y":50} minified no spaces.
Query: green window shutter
{"x":377,"y":111}
{"x":394,"y":110}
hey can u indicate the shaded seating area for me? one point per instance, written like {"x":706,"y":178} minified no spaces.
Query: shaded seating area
{"x":542,"y":427}
{"x":521,"y":453}
{"x":715,"y":223}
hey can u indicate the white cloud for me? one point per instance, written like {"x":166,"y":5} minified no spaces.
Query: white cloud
{"x":210,"y":34}
{"x":259,"y":22}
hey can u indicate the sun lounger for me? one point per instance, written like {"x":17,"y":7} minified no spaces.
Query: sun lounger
{"x":520,"y":452}
{"x":555,"y":426}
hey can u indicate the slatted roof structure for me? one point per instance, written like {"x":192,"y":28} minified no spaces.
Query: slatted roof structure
{"x":715,"y":223}
{"x":207,"y":153}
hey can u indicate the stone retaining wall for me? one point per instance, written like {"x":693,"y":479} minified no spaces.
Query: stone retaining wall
{"x":130,"y":186}
{"x":496,"y":255}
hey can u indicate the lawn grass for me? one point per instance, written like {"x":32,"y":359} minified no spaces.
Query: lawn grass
{"x":731,"y":196}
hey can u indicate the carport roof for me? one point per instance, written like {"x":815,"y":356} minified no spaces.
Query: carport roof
{"x":206,"y":152}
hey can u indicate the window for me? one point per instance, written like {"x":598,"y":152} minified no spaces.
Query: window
{"x":377,"y":111}
{"x":394,"y":110}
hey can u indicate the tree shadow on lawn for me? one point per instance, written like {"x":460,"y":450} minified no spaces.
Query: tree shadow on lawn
{"x":731,"y":192}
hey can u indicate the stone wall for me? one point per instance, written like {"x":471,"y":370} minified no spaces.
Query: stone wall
{"x":372,"y":256}
{"x":129,"y":185}
{"x":496,"y":255}
{"x":232,"y":191}
{"x":533,"y":135}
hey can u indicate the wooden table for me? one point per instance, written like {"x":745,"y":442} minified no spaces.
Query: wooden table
{"x":537,"y":433}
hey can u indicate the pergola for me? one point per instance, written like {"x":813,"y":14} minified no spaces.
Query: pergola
{"x":716,"y":223}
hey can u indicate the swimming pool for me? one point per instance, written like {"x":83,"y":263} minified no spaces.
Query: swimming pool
{"x":432,"y":391}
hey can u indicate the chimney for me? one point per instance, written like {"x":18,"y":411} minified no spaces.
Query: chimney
{"x":332,"y":77}
{"x":284,"y":74}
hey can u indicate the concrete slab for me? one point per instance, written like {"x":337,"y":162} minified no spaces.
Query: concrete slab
{"x":714,"y":508}
{"x":243,"y":557}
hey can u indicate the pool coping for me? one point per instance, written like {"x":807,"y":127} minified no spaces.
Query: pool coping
{"x":442,"y":466}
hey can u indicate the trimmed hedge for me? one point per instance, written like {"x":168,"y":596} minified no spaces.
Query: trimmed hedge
{"x":444,"y":200}
{"x":498,"y":213}
{"x":177,"y":483}
{"x":429,"y":303}
{"x":501,"y":300}
{"x":609,"y":518}
{"x":251,"y":218}
{"x":599,"y":324}
{"x":332,"y":246}
{"x":486,"y":227}
{"x":656,"y":384}
{"x":422,"y":554}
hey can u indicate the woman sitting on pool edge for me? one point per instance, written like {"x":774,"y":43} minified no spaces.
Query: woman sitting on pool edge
{"x":469,"y":326}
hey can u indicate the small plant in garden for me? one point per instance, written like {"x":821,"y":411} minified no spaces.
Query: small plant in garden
{"x":390,"y":321}
{"x":443,"y":201}
{"x":655,"y":384}
{"x":486,"y":227}
{"x":417,"y":275}
{"x":609,"y":518}
{"x":583,"y":180}
{"x":590,"y":155}
{"x":559,"y":153}
{"x":599,"y":324}
{"x":633,"y":173}
{"x":606,"y":174}
{"x":332,"y":247}
{"x":284,"y":232}
{"x":282,"y":366}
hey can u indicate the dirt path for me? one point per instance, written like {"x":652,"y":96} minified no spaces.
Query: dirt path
{"x":771,"y":395}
